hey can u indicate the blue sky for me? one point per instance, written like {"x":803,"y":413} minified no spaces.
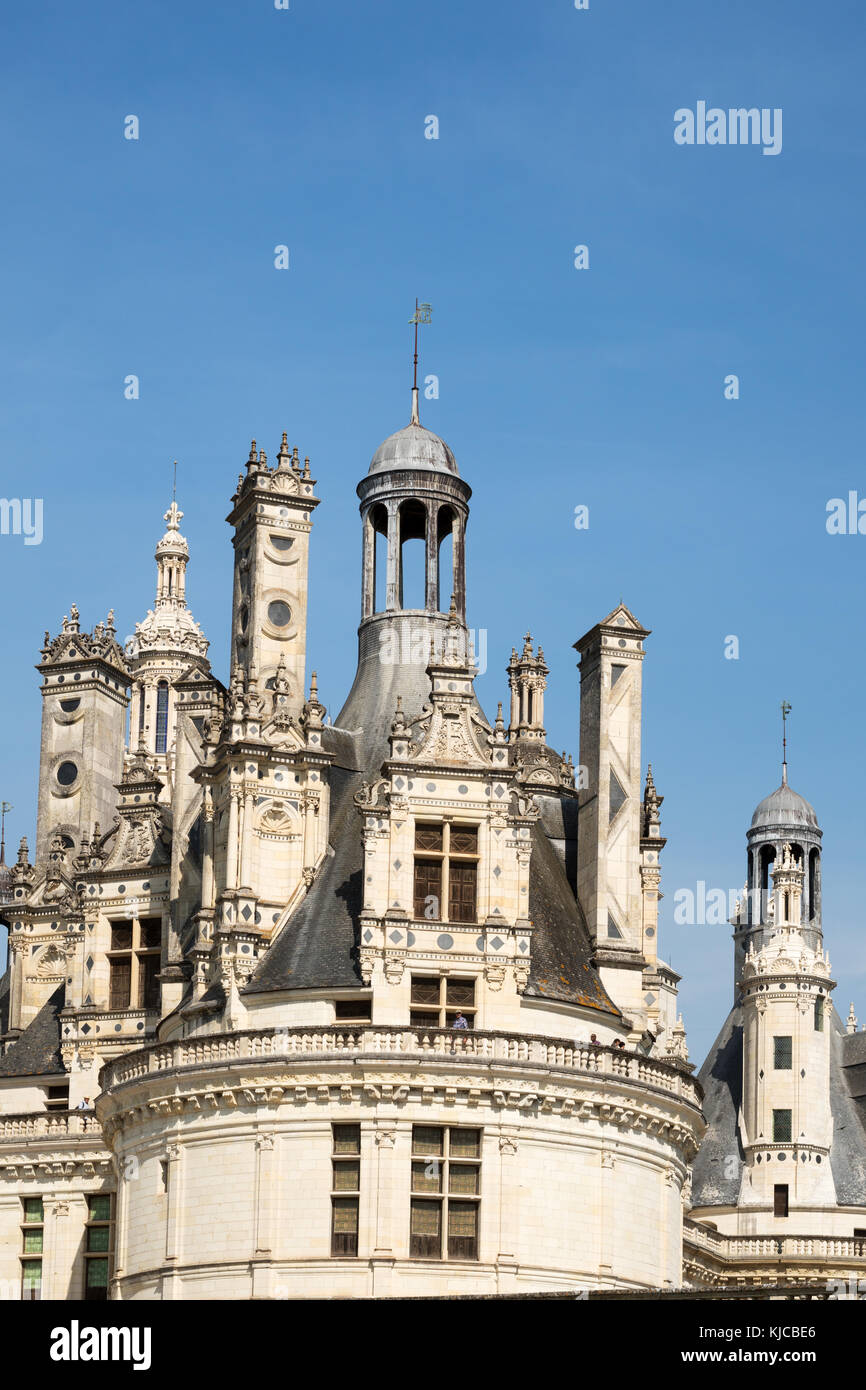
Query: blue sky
{"x":558,"y":387}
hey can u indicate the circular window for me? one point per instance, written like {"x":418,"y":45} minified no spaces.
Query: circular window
{"x":282,"y":542}
{"x":279,"y":613}
{"x":69,"y":705}
{"x":66,"y":774}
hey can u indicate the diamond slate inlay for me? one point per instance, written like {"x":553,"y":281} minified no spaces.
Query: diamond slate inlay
{"x":395,"y":936}
{"x":368,"y":935}
{"x":523,"y":945}
{"x":497,"y":943}
{"x":247,"y":913}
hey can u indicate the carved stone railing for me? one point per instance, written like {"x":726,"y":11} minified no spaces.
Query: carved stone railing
{"x":49,"y":1124}
{"x":735,"y":1249}
{"x":441,"y":1044}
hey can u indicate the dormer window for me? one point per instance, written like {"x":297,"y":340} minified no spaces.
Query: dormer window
{"x":446,"y":871}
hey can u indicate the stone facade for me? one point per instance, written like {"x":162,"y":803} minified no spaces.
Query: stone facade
{"x":366,"y":1005}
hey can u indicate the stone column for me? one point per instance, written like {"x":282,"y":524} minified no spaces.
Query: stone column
{"x":431,"y":600}
{"x":393,"y":596}
{"x":368,"y":567}
{"x":247,"y":842}
{"x":232,"y":842}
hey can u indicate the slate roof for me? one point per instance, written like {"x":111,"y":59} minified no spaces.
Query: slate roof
{"x":37,"y":1051}
{"x":721,"y":1079}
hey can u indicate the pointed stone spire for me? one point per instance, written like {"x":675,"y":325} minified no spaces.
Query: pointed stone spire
{"x":284,"y":458}
{"x":852,"y":1019}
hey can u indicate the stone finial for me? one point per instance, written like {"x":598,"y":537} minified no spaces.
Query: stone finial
{"x":851,"y":1024}
{"x":284,"y":457}
{"x":307,"y":468}
{"x":23,"y":859}
{"x":252,"y":461}
{"x":398,"y":727}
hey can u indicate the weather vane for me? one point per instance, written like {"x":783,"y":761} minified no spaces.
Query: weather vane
{"x":4,"y":807}
{"x":786,"y":710}
{"x":423,"y":314}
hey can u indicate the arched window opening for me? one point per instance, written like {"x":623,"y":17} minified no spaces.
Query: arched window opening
{"x":814,"y":891}
{"x":379,"y":522}
{"x":161,"y":716}
{"x":786,"y":905}
{"x":768,"y":859}
{"x":413,"y":554}
{"x":445,"y":560}
{"x":141,"y":709}
{"x":750,"y":880}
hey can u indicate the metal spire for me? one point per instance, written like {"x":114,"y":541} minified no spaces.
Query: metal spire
{"x":786,"y":710}
{"x":422,"y":314}
{"x":4,"y":807}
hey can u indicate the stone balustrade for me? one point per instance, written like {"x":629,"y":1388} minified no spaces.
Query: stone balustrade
{"x":49,"y":1124}
{"x":738,"y":1248}
{"x":443,"y":1045}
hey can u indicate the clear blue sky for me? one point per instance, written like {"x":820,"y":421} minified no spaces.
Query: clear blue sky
{"x":558,"y":387}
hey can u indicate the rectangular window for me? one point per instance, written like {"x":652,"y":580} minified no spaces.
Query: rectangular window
{"x":98,"y":1246}
{"x":446,"y":1192}
{"x":446,"y":872}
{"x":437,"y":1001}
{"x":32,"y":1245}
{"x":780,"y":1199}
{"x":57,"y":1097}
{"x":119,"y":980}
{"x":353,"y":1010}
{"x":345,"y":1178}
{"x":782,"y":1053}
{"x":781,"y":1126}
{"x":819,"y":1014}
{"x":148,"y":984}
{"x":134,"y":963}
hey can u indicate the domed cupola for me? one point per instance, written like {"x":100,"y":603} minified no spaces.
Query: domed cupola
{"x":413,"y":493}
{"x":784,"y":824}
{"x":785,"y":808}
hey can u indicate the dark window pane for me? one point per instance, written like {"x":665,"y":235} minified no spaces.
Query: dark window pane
{"x":464,"y":1143}
{"x":780,"y":1200}
{"x":461,"y":891}
{"x":460,"y":992}
{"x":279,"y":613}
{"x":69,"y":705}
{"x":161,"y":716}
{"x":150,"y":933}
{"x":421,"y":1018}
{"x":344,"y":1227}
{"x":464,"y":839}
{"x":425,"y":989}
{"x":425,"y":1229}
{"x":119,"y":982}
{"x":33,"y":1209}
{"x":428,"y":889}
{"x":100,"y":1206}
{"x":121,"y":937}
{"x":819,"y":1014}
{"x":782,"y":1053}
{"x":66,"y":774}
{"x":463,"y":1178}
{"x":781,"y":1126}
{"x":347,"y":1176}
{"x":33,"y":1241}
{"x":148,"y":984}
{"x":97,"y":1274}
{"x":347,"y":1139}
{"x":31,"y":1279}
{"x":98,"y":1237}
{"x":427,"y":1177}
{"x":427,"y":1139}
{"x":353,"y":1009}
{"x":428,"y":837}
{"x":462,"y":1231}
{"x":281,"y":542}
